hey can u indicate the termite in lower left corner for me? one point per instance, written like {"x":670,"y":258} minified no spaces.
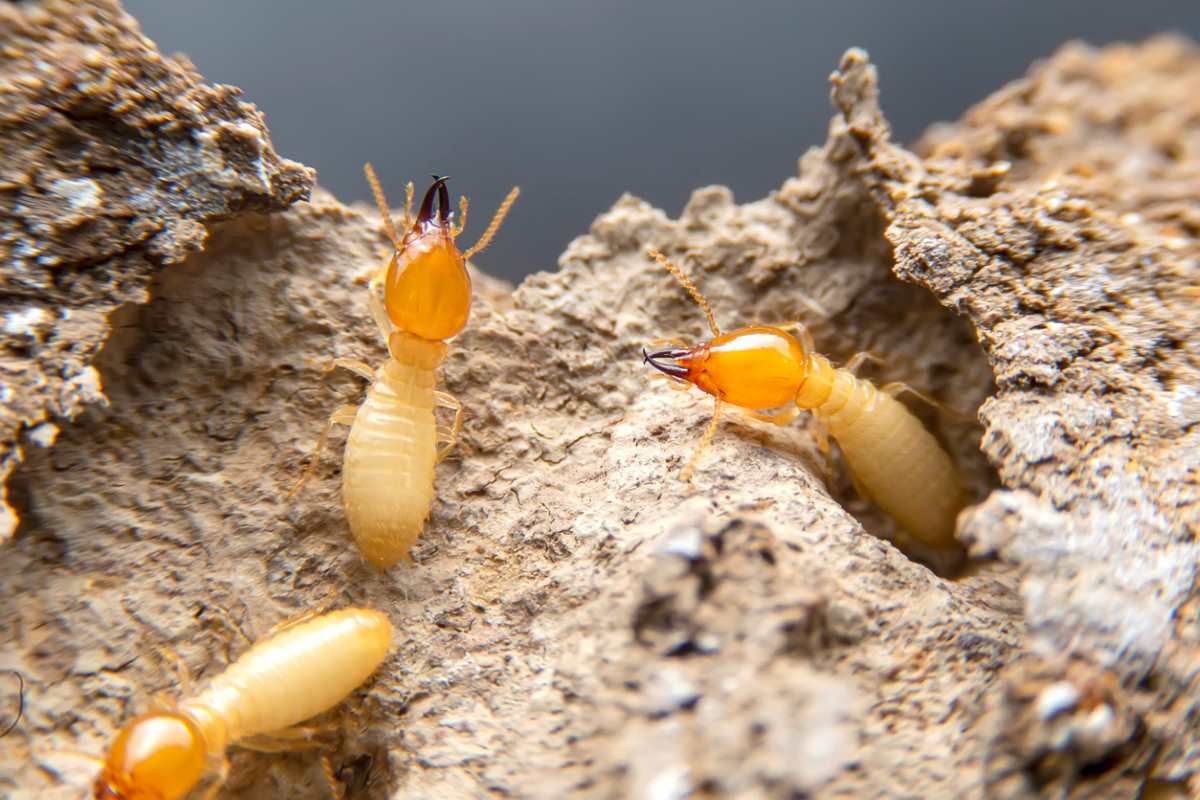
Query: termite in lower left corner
{"x":306,"y":668}
{"x":419,"y":298}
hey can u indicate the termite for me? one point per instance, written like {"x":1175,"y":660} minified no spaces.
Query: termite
{"x":895,"y":461}
{"x":419,"y":298}
{"x":307,"y":667}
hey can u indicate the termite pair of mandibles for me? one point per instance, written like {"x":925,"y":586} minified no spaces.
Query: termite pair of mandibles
{"x":419,"y":298}
{"x":895,"y":461}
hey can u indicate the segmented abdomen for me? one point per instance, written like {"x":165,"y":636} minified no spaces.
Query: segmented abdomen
{"x":298,"y":673}
{"x":387,"y":475}
{"x":899,"y":464}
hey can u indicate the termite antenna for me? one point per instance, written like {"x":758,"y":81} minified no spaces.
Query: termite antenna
{"x":497,"y":220}
{"x":462,"y":216}
{"x":381,"y":201}
{"x":331,"y":778}
{"x":705,"y":441}
{"x":408,"y":198}
{"x":689,"y":286}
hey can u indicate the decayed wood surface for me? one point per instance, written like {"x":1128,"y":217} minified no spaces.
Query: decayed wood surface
{"x":113,"y":159}
{"x":580,"y":623}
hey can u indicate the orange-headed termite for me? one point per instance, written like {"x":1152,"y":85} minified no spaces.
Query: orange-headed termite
{"x":419,"y":298}
{"x":897,"y":463}
{"x":304,"y":669}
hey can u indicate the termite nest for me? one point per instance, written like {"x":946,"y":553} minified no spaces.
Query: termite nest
{"x":576,"y":618}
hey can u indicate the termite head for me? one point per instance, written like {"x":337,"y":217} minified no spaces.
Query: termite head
{"x":157,"y":756}
{"x":427,"y":291}
{"x":755,"y":367}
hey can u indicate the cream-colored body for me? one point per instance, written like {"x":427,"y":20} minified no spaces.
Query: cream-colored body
{"x":898,"y":463}
{"x":419,"y":298}
{"x":391,"y":453}
{"x":298,"y":673}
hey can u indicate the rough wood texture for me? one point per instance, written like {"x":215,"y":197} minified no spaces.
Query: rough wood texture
{"x":580,"y":623}
{"x":112,"y":161}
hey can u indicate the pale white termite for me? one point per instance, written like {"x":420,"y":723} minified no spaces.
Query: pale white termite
{"x":895,"y":461}
{"x":419,"y":298}
{"x":305,"y":668}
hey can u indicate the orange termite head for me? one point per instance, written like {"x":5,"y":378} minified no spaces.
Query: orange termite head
{"x":427,"y":291}
{"x":157,"y":756}
{"x":755,"y":367}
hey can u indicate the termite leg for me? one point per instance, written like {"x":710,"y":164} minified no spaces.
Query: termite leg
{"x":168,"y":660}
{"x":447,"y":438}
{"x":859,"y":488}
{"x":183,"y":676}
{"x":447,"y":400}
{"x":267,"y":743}
{"x":673,"y":383}
{"x":296,"y":737}
{"x":344,"y":415}
{"x":379,"y":274}
{"x":163,"y":701}
{"x":303,"y":616}
{"x":291,"y":622}
{"x":784,"y":417}
{"x":856,"y":362}
{"x":219,"y":781}
{"x":801,"y":332}
{"x":378,"y":312}
{"x":705,"y":441}
{"x":821,"y":435}
{"x":232,"y":624}
{"x":897,"y":388}
{"x":360,"y":368}
{"x":813,"y":306}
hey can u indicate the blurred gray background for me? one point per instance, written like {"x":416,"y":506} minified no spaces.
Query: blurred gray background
{"x":579,"y":102}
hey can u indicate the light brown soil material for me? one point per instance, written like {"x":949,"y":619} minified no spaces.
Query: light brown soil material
{"x":113,"y":159}
{"x":580,"y":623}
